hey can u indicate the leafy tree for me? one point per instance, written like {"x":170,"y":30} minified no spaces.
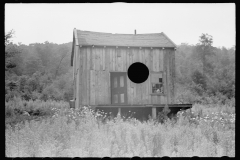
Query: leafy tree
{"x":10,"y":51}
{"x":33,"y":64}
{"x":203,"y":50}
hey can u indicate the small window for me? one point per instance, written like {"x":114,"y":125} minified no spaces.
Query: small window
{"x":157,"y":83}
{"x":157,"y":88}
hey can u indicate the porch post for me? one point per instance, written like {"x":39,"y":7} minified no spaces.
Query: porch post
{"x":154,"y":112}
{"x":119,"y":111}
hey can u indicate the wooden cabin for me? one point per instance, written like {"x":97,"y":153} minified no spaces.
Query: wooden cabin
{"x":101,"y":61}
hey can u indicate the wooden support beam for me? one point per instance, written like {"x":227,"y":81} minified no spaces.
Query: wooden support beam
{"x":154,"y":113}
{"x":119,"y":111}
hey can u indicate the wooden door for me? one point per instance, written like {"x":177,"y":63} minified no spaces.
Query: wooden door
{"x":119,"y":88}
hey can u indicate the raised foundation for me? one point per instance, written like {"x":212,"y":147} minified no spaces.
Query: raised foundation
{"x":141,"y":112}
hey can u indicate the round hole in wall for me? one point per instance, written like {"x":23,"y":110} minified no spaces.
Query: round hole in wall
{"x":138,"y":72}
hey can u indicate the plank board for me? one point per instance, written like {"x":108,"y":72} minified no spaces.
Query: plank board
{"x":103,"y":58}
{"x":88,"y":52}
{"x":107,"y":60}
{"x":77,"y":75}
{"x":147,"y":58}
{"x":130,"y":57}
{"x":84,"y":80}
{"x":96,"y":88}
{"x":109,"y":88}
{"x":104,"y":87}
{"x":99,"y":49}
{"x":161,"y":60}
{"x":136,"y":54}
{"x":110,"y":60}
{"x":114,"y":59}
{"x":129,"y":91}
{"x":140,"y":55}
{"x":151,"y":60}
{"x":138,"y":93}
{"x":157,"y":59}
{"x":101,"y":87}
{"x":127,"y":59}
{"x":148,"y":91}
{"x":124,"y":59}
{"x":144,"y":99}
{"x":96,"y":59}
{"x":173,"y":75}
{"x":93,"y":59}
{"x":92,"y":87}
{"x":81,"y":76}
{"x":163,"y":99}
{"x":118,"y":59}
{"x":154,"y":99}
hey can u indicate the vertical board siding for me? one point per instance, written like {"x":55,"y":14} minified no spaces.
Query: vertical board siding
{"x":161,"y":60}
{"x":114,"y":59}
{"x":107,"y":93}
{"x":127,"y":59}
{"x":110,"y":59}
{"x":99,"y":50}
{"x":88,"y":52}
{"x":77,"y":66}
{"x":109,"y":88}
{"x":172,"y":69}
{"x":96,"y":88}
{"x":129,"y":91}
{"x":101,"y":85}
{"x":167,"y":75}
{"x":140,"y":55}
{"x":144,"y":92}
{"x":107,"y":61}
{"x":83,"y":79}
{"x":93,"y":58}
{"x":118,"y":59}
{"x":173,"y":75}
{"x":151,"y":60}
{"x":80,"y":76}
{"x":147,"y":58}
{"x":74,"y":75}
{"x":124,"y":59}
{"x":92,"y":87}
{"x":103,"y":58}
{"x":157,"y":59}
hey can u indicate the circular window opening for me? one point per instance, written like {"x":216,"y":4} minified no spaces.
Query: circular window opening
{"x":138,"y":72}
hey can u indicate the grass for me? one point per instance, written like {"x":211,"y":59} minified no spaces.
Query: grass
{"x":204,"y":132}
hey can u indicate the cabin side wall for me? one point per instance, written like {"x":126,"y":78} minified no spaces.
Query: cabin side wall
{"x":96,"y":63}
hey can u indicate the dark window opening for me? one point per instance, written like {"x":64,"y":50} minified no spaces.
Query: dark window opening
{"x":157,"y":88}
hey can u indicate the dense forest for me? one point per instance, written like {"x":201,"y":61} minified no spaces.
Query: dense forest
{"x":204,"y":74}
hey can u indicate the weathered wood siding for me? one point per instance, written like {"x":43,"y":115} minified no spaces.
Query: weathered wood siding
{"x":96,"y":63}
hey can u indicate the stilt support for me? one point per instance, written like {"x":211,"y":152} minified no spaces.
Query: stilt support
{"x":119,"y":111}
{"x":154,"y":113}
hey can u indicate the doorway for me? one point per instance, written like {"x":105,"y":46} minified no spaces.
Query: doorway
{"x":119,"y":88}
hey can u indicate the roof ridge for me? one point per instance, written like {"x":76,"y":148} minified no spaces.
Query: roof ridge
{"x":119,"y":33}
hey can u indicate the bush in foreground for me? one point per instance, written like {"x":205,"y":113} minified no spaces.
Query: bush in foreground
{"x":79,"y":133}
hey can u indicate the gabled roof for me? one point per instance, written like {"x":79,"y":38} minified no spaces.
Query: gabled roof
{"x":87,"y":38}
{"x":129,"y":40}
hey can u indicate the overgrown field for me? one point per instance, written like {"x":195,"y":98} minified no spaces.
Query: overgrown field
{"x":63,"y":132}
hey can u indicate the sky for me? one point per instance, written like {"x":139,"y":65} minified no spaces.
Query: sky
{"x":182,"y":23}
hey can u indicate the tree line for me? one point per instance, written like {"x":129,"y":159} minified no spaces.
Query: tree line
{"x":42,"y":71}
